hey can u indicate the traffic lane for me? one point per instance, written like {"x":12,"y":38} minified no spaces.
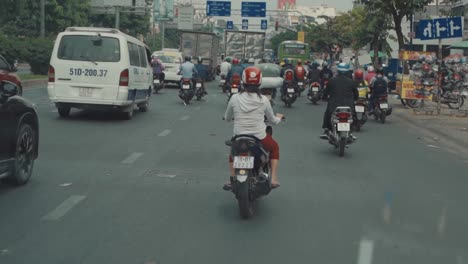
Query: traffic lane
{"x":303,"y":216}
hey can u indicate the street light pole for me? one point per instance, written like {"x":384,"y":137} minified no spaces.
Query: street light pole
{"x":42,"y":18}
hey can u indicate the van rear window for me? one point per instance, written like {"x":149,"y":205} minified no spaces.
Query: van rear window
{"x":93,"y":48}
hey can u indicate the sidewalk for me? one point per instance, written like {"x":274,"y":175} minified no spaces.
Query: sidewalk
{"x":449,"y":130}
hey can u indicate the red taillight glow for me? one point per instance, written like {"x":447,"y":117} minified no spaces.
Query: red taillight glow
{"x":123,"y":81}
{"x":343,"y":115}
{"x":51,"y":74}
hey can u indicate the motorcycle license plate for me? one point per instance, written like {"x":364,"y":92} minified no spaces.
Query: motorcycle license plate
{"x":290,"y":90}
{"x":300,"y":84}
{"x":156,"y":82}
{"x":383,"y":106}
{"x":223,"y":81}
{"x":198,"y":85}
{"x":234,"y":90}
{"x":185,"y":86}
{"x":243,"y":162}
{"x":360,"y":108}
{"x":315,"y":89}
{"x":343,"y":127}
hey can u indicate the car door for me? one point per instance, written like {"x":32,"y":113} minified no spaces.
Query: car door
{"x":8,"y":125}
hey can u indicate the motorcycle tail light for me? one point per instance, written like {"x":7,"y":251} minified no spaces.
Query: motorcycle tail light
{"x":343,"y":116}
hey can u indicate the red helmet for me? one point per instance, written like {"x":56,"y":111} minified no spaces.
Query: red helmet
{"x":235,"y":61}
{"x":252,"y":76}
{"x":358,"y":75}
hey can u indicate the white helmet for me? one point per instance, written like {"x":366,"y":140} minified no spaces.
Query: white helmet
{"x":370,"y":69}
{"x":251,"y":60}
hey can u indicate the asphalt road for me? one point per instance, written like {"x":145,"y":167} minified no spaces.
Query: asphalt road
{"x":105,"y":190}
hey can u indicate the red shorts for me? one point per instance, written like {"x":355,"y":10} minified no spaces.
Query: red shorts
{"x":270,"y":145}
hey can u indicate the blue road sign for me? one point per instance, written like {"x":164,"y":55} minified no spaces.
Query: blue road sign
{"x":440,"y":28}
{"x":245,"y":24}
{"x":253,"y":9}
{"x":264,"y":24}
{"x":230,"y":25}
{"x":218,"y":8}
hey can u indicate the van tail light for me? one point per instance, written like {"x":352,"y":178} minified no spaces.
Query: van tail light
{"x":51,"y":74}
{"x":123,"y":81}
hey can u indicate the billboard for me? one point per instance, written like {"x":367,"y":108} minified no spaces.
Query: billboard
{"x":286,"y":4}
{"x":163,"y":10}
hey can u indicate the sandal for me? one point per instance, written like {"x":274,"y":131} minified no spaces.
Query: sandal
{"x":275,"y":185}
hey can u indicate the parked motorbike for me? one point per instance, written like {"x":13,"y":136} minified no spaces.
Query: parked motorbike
{"x":157,"y":85}
{"x":199,"y":89}
{"x":381,"y":108}
{"x":340,"y":136}
{"x":252,"y":167}
{"x":186,"y":91}
{"x":315,"y":92}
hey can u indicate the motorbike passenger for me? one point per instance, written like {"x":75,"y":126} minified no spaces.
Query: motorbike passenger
{"x":325,"y":73}
{"x":236,"y":69}
{"x":248,"y":110}
{"x":245,"y":63}
{"x":287,"y":66}
{"x":314,"y":73}
{"x":370,"y":74}
{"x":188,"y":70}
{"x":300,"y":71}
{"x":158,"y":69}
{"x":225,"y":67}
{"x":378,"y":87}
{"x":202,"y":73}
{"x":341,"y":91}
{"x":251,"y":62}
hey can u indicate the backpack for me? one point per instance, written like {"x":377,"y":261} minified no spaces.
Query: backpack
{"x":379,"y":86}
{"x":300,"y":72}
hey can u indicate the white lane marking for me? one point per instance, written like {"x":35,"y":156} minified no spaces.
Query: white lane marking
{"x":432,"y":146}
{"x":366,"y":248}
{"x":442,"y":222}
{"x":132,"y":158}
{"x":163,"y":175}
{"x":63,"y":208}
{"x":164,"y":133}
{"x":185,"y":118}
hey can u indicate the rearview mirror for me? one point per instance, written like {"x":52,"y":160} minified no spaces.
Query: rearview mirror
{"x":8,"y":89}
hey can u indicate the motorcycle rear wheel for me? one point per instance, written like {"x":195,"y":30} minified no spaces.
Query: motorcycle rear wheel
{"x":342,"y":146}
{"x":459,"y":104}
{"x":245,"y":205}
{"x":383,"y":116}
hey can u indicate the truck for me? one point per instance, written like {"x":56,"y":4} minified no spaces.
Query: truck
{"x":204,"y":45}
{"x":244,"y":45}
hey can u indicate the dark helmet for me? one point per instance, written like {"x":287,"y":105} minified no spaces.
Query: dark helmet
{"x":286,"y":61}
{"x":188,"y":58}
{"x":380,"y":70}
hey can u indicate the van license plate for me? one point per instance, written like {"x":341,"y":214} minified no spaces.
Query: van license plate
{"x":290,"y":90}
{"x":315,"y":89}
{"x":156,"y":82}
{"x":343,"y":127}
{"x":360,"y":108}
{"x":185,"y":86}
{"x":85,"y":92}
{"x":243,"y":162}
{"x":383,"y":106}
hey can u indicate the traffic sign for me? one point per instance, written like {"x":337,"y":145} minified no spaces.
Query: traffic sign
{"x":264,"y":24}
{"x":230,"y":25}
{"x":245,"y":24}
{"x":253,"y":9}
{"x":440,"y":28}
{"x":218,"y":8}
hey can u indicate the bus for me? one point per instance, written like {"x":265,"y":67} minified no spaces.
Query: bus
{"x":293,"y":50}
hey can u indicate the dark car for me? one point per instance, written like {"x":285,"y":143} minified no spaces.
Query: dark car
{"x":19,"y":134}
{"x":7,"y":73}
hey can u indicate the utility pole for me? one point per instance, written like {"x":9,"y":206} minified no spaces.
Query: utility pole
{"x":117,"y":17}
{"x":439,"y":62}
{"x":42,"y":18}
{"x":163,"y":32}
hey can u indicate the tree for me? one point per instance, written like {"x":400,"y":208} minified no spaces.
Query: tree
{"x":398,"y":9}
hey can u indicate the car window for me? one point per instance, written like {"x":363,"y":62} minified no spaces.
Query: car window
{"x":143,"y":57}
{"x":168,"y":59}
{"x":76,"y":47}
{"x":4,"y":65}
{"x":134,"y":54}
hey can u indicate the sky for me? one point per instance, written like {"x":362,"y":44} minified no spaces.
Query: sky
{"x":340,"y":5}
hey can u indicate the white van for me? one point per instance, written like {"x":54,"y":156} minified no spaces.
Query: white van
{"x":99,"y":68}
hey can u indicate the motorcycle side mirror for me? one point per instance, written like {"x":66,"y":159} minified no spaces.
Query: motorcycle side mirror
{"x":8,"y":89}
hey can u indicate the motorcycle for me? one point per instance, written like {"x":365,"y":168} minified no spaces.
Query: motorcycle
{"x":234,"y":87}
{"x":340,"y":136}
{"x":381,"y":108}
{"x":315,"y":92}
{"x":222,"y":83}
{"x":301,"y":85}
{"x":157,"y":85}
{"x":290,"y":93}
{"x":252,"y":166}
{"x":200,"y":89}
{"x":361,"y":109}
{"x":269,"y":93}
{"x":186,"y":92}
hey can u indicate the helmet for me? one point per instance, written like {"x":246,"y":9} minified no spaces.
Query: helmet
{"x":245,"y":60}
{"x":228,"y":60}
{"x":325,"y":64}
{"x":187,"y":58}
{"x":252,"y":76}
{"x":343,"y":67}
{"x":286,"y":61}
{"x":200,"y":59}
{"x":380,"y":70}
{"x":235,"y":61}
{"x":251,"y":60}
{"x":426,"y":67}
{"x":370,"y":69}
{"x":358,"y":75}
{"x":299,"y":62}
{"x":282,"y":64}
